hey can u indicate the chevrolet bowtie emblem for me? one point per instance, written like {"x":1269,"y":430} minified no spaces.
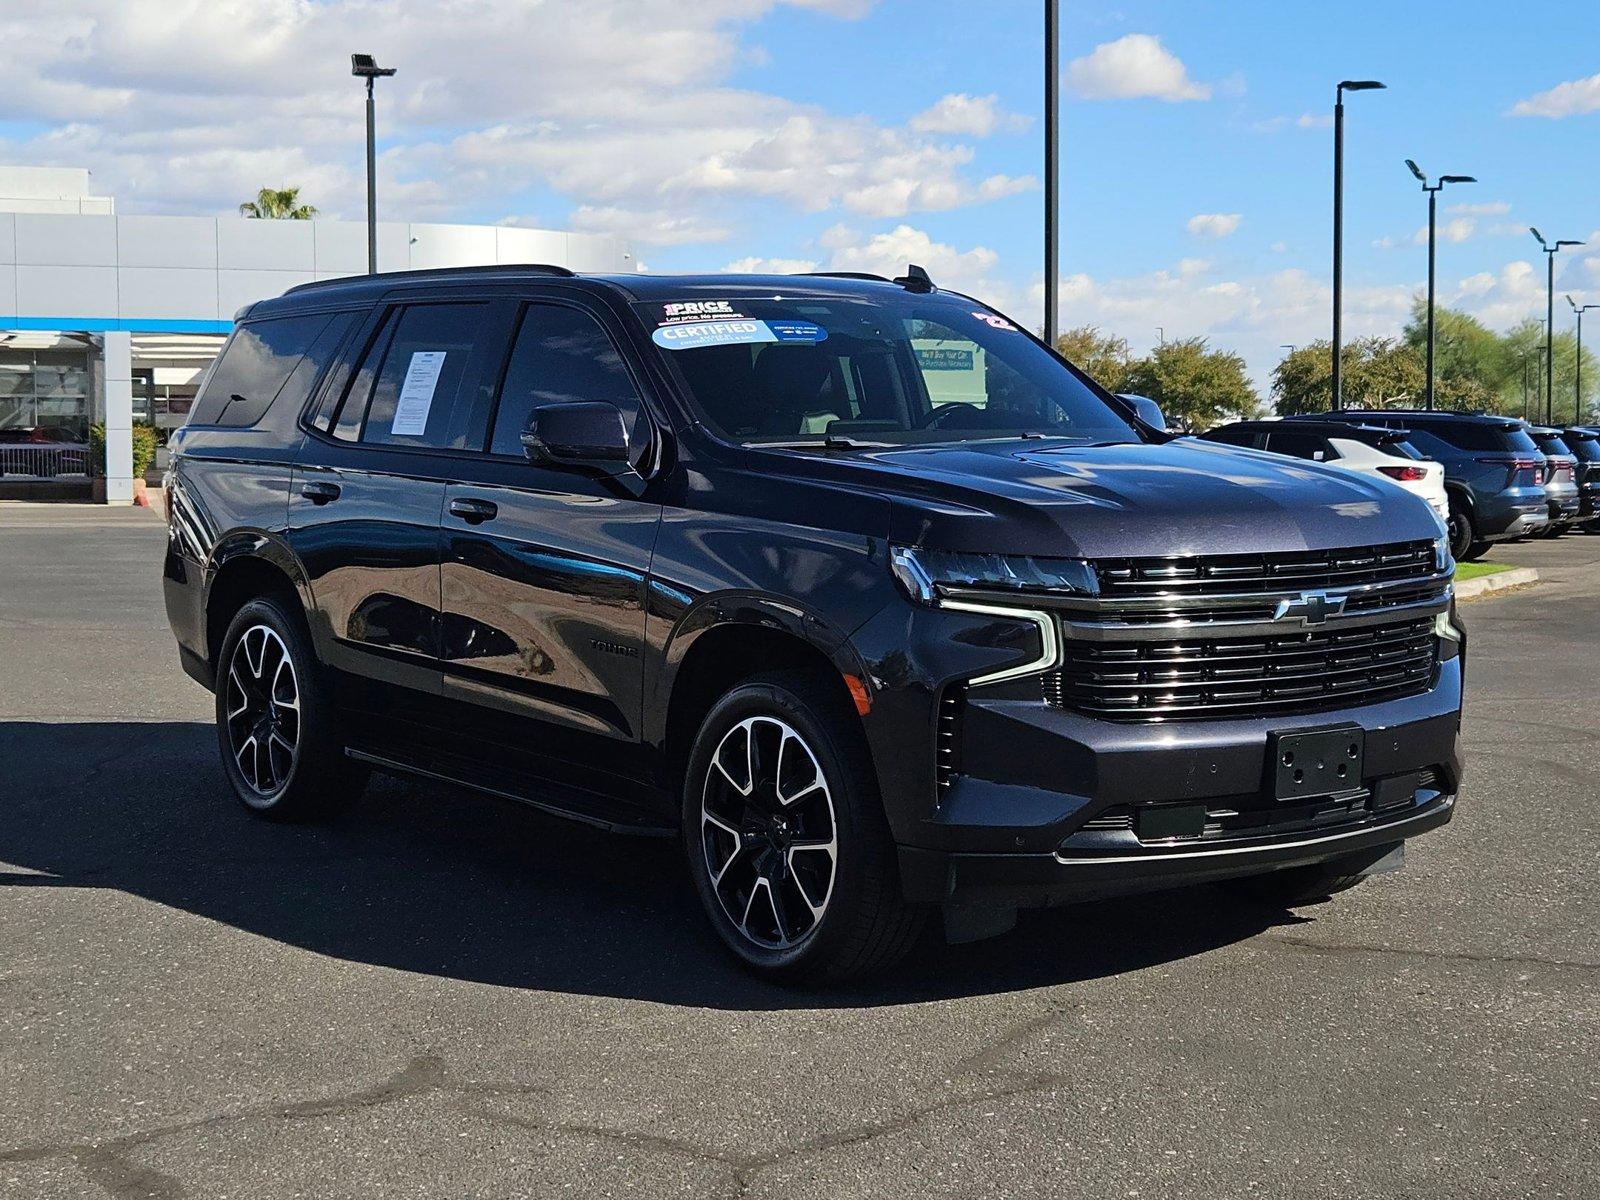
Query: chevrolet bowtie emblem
{"x":1310,"y":608}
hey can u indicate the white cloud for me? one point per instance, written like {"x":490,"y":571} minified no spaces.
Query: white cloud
{"x":1133,"y":67}
{"x":1314,"y":121}
{"x":1570,"y":99}
{"x":190,"y":106}
{"x":771,"y":266}
{"x":1493,"y":208}
{"x":1458,"y":229}
{"x":1213,"y":225}
{"x":889,"y":253}
{"x":961,"y":113}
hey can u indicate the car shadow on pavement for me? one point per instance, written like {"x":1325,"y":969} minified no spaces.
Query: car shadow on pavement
{"x":438,"y":881}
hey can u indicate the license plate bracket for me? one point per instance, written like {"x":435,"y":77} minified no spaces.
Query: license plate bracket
{"x":1312,"y":763}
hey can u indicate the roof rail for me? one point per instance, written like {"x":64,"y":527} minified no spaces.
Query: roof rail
{"x":441,"y":272}
{"x":845,"y":275}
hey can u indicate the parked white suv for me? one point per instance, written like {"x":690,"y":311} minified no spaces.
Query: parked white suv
{"x":1365,"y":449}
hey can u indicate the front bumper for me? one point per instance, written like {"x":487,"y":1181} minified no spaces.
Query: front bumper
{"x":1049,"y":806}
{"x":1073,"y":874}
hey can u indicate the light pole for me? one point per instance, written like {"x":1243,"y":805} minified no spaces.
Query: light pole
{"x":1577,"y":383}
{"x":1052,"y":134}
{"x":1433,"y":198}
{"x":364,"y":66}
{"x":1345,"y":85}
{"x":1550,"y":252}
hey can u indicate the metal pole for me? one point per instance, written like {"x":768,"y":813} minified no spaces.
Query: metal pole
{"x":372,"y":186}
{"x":1052,"y":134}
{"x":1549,"y":338}
{"x":1338,"y":242}
{"x":1433,"y":198}
{"x":1577,"y":380}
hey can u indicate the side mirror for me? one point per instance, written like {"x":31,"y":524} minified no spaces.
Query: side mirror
{"x":1148,"y":410}
{"x":587,"y":435}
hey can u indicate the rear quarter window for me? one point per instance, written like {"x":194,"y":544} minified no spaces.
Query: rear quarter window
{"x":263,"y":361}
{"x":1485,"y":437}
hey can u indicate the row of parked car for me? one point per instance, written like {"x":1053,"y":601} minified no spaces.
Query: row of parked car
{"x":1491,"y":478}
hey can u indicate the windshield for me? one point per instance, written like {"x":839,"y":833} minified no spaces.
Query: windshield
{"x":893,"y":369}
{"x":1551,"y":444}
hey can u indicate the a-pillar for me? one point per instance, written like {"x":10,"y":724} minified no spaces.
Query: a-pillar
{"x":116,"y":377}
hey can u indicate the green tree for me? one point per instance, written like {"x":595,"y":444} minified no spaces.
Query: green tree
{"x":280,"y":204}
{"x":1478,"y":368}
{"x":1101,"y":357}
{"x":1195,"y":386}
{"x":1378,"y":373}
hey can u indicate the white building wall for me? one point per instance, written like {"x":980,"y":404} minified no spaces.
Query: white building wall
{"x":191,"y":274}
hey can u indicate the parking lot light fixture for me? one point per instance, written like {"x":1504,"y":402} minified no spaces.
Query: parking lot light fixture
{"x":1551,"y":249}
{"x":364,"y":66}
{"x":1345,"y":85}
{"x":1577,"y":375}
{"x":1433,"y":206}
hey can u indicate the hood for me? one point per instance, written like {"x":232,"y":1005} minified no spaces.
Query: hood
{"x":1177,"y":498}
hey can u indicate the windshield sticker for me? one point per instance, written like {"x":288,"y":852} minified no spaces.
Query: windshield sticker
{"x":697,"y":309}
{"x":940,"y":358}
{"x":691,"y":335}
{"x":995,"y":321}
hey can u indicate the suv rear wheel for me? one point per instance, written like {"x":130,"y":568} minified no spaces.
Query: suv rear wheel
{"x":1463,"y":535}
{"x":786,"y":837}
{"x":275,"y":727}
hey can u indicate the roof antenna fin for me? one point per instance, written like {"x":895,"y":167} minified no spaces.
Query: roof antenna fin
{"x":915,"y":280}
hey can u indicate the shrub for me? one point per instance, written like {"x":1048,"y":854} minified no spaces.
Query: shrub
{"x":144,"y":449}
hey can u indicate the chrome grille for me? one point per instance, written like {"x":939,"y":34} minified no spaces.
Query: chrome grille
{"x":1157,"y":578}
{"x":1196,"y":677}
{"x":946,"y":737}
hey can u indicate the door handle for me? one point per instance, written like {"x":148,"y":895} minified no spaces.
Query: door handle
{"x":320,"y":493}
{"x":472,"y":510}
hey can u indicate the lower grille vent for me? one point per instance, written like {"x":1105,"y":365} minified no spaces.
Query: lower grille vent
{"x":946,"y":739}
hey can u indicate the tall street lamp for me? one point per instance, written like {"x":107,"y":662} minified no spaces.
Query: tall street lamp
{"x":364,"y":66}
{"x":1052,"y":135}
{"x":1346,"y":85}
{"x":1577,"y":384}
{"x":1433,"y":197}
{"x":1550,"y":252}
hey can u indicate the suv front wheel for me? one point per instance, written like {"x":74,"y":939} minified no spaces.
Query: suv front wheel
{"x":786,"y":838}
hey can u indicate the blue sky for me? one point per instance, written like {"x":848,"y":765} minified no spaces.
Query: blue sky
{"x":857,"y":134}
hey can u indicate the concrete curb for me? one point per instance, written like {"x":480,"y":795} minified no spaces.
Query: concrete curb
{"x":1499,"y":581}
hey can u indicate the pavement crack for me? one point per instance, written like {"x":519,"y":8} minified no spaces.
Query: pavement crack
{"x":1510,"y":960}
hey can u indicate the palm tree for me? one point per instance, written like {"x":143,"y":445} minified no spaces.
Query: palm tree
{"x":280,"y":203}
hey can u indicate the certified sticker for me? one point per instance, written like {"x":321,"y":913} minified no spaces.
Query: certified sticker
{"x":691,"y":335}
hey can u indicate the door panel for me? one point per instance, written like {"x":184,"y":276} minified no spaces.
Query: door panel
{"x":543,"y":603}
{"x":370,"y":544}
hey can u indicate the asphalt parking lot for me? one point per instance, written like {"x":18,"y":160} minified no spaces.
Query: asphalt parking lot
{"x":442,"y":995}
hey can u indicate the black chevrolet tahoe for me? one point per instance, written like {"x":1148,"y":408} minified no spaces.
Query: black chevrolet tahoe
{"x":850,"y":584}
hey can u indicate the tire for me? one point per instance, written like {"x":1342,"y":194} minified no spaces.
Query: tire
{"x":1462,"y":532}
{"x":276,"y":728}
{"x":786,"y":838}
{"x":1294,"y":886}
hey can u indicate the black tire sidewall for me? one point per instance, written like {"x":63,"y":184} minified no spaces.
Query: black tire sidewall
{"x":1461,"y":532}
{"x":852,"y":789}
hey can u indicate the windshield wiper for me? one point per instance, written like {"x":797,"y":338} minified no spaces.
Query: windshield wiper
{"x":830,"y":442}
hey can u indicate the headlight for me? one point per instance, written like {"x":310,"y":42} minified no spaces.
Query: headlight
{"x":925,"y":574}
{"x":1441,"y":553}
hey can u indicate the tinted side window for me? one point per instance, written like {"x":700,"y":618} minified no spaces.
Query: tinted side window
{"x":561,"y":354}
{"x":253,"y":367}
{"x":1298,"y":445}
{"x":1474,"y":435}
{"x":1232,"y":437}
{"x":426,"y":375}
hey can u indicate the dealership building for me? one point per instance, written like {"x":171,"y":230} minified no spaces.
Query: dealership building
{"x":114,"y":319}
